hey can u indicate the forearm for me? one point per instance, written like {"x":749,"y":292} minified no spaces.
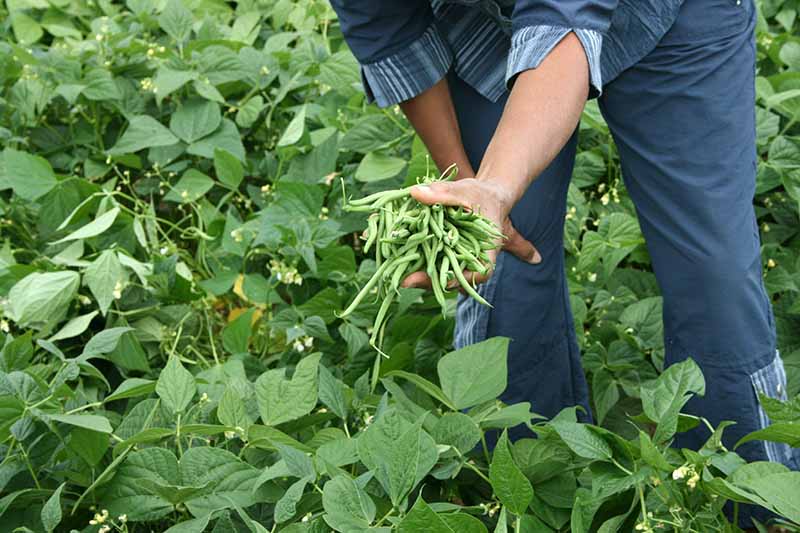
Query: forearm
{"x":434,"y":118}
{"x":541,"y":114}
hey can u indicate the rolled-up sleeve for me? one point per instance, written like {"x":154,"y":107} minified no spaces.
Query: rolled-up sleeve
{"x":398,"y":45}
{"x":539,"y":25}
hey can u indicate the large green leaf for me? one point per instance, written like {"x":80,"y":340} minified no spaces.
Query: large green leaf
{"x":663,"y":398}
{"x":422,"y":518}
{"x":226,"y":137}
{"x":582,"y":440}
{"x":30,"y":176}
{"x":51,"y":511}
{"x":280,"y":399}
{"x":378,"y":167}
{"x":94,"y":228}
{"x":294,"y":131}
{"x":457,"y":430}
{"x":232,"y":410}
{"x":475,"y":374}
{"x":232,"y":479}
{"x":785,"y":432}
{"x":176,"y":386}
{"x":176,"y":20}
{"x":229,"y":170}
{"x":105,"y":277}
{"x":192,"y":186}
{"x":143,"y":132}
{"x":93,"y":422}
{"x":195,"y":119}
{"x":347,"y":506}
{"x":42,"y":299}
{"x":398,"y":453}
{"x":780,"y":491}
{"x":508,"y":482}
{"x":125,"y":495}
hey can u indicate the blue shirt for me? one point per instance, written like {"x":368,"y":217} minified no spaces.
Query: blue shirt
{"x":406,"y":46}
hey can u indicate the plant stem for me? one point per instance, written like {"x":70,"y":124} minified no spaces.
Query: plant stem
{"x":477,"y":471}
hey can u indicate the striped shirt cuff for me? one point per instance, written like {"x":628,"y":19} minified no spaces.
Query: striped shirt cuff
{"x":531,"y":44}
{"x":409,"y":72}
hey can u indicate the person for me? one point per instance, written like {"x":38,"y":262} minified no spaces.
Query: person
{"x":498,"y":87}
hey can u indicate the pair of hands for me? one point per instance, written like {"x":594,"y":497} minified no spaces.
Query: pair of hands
{"x":486,"y":198}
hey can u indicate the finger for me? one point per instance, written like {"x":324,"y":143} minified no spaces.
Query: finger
{"x":419,"y":280}
{"x":521,"y":247}
{"x":440,"y":192}
{"x":473,"y":278}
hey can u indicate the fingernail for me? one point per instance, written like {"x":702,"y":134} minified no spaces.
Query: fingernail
{"x":537,"y":258}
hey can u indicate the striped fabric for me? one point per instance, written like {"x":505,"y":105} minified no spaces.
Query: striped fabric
{"x":771,"y":381}
{"x":480,"y":50}
{"x":530,"y":45}
{"x":408,"y":73}
{"x":472,"y":318}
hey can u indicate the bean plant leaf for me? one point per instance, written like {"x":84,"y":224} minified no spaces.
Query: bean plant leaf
{"x":663,"y":398}
{"x":192,"y":186}
{"x":286,"y":507}
{"x":176,"y":20}
{"x":30,"y":176}
{"x":143,"y":132}
{"x":457,"y":430}
{"x":126,"y":496}
{"x":232,"y":410}
{"x":94,"y":228}
{"x":229,"y":170}
{"x":475,"y":374}
{"x":74,"y":327}
{"x":175,"y":386}
{"x":232,"y":479}
{"x":195,"y":119}
{"x":423,"y":518}
{"x":41,"y":299}
{"x":294,"y":131}
{"x":379,"y":167}
{"x":93,"y":422}
{"x":51,"y":511}
{"x":105,"y":277}
{"x":400,"y":454}
{"x":332,"y":392}
{"x":104,"y":342}
{"x":347,"y":506}
{"x":785,"y":432}
{"x":508,"y":482}
{"x":779,"y":491}
{"x":582,"y":440}
{"x":226,"y":137}
{"x":280,"y":399}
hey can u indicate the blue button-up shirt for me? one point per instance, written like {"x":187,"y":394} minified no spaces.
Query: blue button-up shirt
{"x":406,"y":46}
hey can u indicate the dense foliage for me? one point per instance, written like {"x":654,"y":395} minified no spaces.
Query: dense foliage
{"x":174,"y":255}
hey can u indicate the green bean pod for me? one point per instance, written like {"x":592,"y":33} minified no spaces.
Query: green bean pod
{"x":457,"y":270}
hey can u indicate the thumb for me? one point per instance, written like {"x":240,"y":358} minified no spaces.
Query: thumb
{"x":440,"y":192}
{"x":521,"y":247}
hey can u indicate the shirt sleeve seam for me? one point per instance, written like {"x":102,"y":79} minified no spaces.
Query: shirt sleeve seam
{"x":530,"y":45}
{"x":406,"y":74}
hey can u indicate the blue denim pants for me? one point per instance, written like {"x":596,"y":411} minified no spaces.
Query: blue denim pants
{"x":684,"y":123}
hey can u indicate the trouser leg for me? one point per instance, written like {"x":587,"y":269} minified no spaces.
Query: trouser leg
{"x":683,"y":120}
{"x":530,"y":302}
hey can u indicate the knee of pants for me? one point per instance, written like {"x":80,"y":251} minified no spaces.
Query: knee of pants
{"x":716,"y":310}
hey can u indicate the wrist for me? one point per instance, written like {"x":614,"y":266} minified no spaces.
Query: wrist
{"x":499,"y":189}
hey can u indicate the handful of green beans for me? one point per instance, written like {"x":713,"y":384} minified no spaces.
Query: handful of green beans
{"x":409,"y":236}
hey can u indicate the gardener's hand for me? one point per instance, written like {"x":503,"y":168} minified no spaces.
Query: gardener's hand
{"x":481,"y":197}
